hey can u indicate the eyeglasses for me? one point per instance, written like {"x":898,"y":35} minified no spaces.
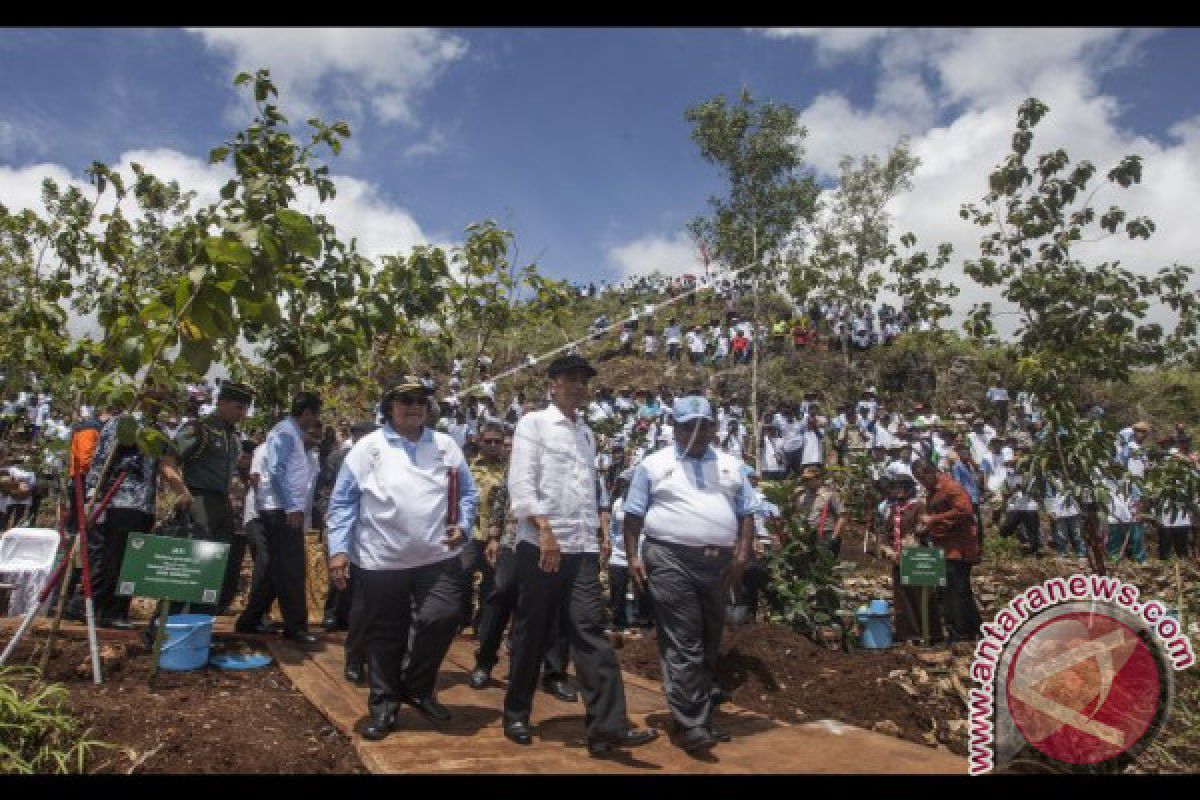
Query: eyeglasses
{"x":492,"y":442}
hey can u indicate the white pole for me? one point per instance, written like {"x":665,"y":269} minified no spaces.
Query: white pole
{"x":92,"y":644}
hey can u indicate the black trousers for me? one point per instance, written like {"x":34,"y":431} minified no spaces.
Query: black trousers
{"x":474,"y":561}
{"x":337,"y":605}
{"x":618,"y":583}
{"x":233,"y":572}
{"x":260,"y":553}
{"x":496,"y":610}
{"x":352,"y":598}
{"x":213,"y":513}
{"x":114,"y":533}
{"x":1027,"y":520}
{"x":687,"y":586}
{"x":575,"y":589}
{"x":406,"y":612}
{"x":1173,"y":539}
{"x":755,"y":579}
{"x":960,"y":612}
{"x":284,"y":578}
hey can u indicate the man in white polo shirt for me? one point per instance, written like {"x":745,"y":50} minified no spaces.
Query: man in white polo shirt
{"x":696,"y":508}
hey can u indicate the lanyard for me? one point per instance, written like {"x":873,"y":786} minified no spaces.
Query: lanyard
{"x":897,"y":534}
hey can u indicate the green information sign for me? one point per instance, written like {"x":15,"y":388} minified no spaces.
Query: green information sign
{"x":923,"y":566}
{"x":187,"y":570}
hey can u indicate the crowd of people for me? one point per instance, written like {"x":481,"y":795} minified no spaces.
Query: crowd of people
{"x":565,"y":518}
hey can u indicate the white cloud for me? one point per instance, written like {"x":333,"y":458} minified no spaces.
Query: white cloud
{"x":359,"y":211}
{"x":431,"y":145}
{"x":670,"y":255}
{"x":832,"y":43}
{"x":380,"y":69}
{"x":836,"y":128}
{"x":956,"y":93}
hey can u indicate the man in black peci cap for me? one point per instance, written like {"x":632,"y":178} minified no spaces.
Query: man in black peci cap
{"x":552,"y":486}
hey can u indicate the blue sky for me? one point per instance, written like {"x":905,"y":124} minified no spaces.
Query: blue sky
{"x":575,"y":138}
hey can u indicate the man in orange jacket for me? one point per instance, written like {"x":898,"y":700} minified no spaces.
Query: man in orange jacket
{"x":950,"y":520}
{"x":85,"y":436}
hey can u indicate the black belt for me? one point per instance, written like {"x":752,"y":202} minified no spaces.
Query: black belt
{"x":706,"y":550}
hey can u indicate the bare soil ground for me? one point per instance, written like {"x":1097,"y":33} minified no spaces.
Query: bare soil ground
{"x":206,"y":721}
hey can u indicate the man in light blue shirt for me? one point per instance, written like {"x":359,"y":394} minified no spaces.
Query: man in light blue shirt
{"x":696,"y":508}
{"x":281,"y":500}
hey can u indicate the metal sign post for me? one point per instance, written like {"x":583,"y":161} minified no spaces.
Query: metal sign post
{"x":924,"y":567}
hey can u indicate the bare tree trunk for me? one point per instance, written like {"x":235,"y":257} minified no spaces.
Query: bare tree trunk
{"x":755,"y":345}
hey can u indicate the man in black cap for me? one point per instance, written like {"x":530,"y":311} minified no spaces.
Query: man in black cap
{"x":552,"y":488}
{"x":208,"y":450}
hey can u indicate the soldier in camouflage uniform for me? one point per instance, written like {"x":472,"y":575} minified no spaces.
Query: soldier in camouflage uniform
{"x":487,"y":469}
{"x":208,"y":450}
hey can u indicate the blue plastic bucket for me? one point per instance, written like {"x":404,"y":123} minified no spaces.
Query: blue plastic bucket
{"x":876,"y":626}
{"x":187,"y":643}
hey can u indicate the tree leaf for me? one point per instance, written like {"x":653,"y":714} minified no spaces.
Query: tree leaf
{"x":299,"y":233}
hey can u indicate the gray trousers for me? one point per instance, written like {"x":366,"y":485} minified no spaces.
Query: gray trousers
{"x":689,"y":611}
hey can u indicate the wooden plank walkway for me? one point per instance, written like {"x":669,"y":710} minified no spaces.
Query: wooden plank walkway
{"x":473,"y":741}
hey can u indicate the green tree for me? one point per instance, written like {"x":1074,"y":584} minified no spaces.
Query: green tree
{"x":1078,"y":318}
{"x":37,"y":254}
{"x":852,"y":241}
{"x":758,"y":150}
{"x":916,"y":280}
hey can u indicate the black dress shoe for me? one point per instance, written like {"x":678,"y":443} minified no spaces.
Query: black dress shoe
{"x":480,"y":678}
{"x":430,"y":707}
{"x":379,"y":727}
{"x":697,"y":740}
{"x":560,"y":689}
{"x":354,"y":673}
{"x":630,"y":737}
{"x":719,"y":734}
{"x":302,"y":638}
{"x":518,"y":732}
{"x":259,"y":629}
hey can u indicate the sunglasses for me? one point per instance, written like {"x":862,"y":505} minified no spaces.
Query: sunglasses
{"x":410,"y":400}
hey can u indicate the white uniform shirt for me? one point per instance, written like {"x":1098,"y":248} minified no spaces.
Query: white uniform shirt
{"x":618,"y":558}
{"x":773,"y":458}
{"x":256,"y":468}
{"x":552,"y":472}
{"x":689,"y":501}
{"x":399,"y":518}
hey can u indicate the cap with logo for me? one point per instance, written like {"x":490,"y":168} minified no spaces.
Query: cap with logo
{"x":691,"y":407}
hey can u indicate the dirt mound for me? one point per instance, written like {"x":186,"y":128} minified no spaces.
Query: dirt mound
{"x":775,"y":671}
{"x":207,"y":721}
